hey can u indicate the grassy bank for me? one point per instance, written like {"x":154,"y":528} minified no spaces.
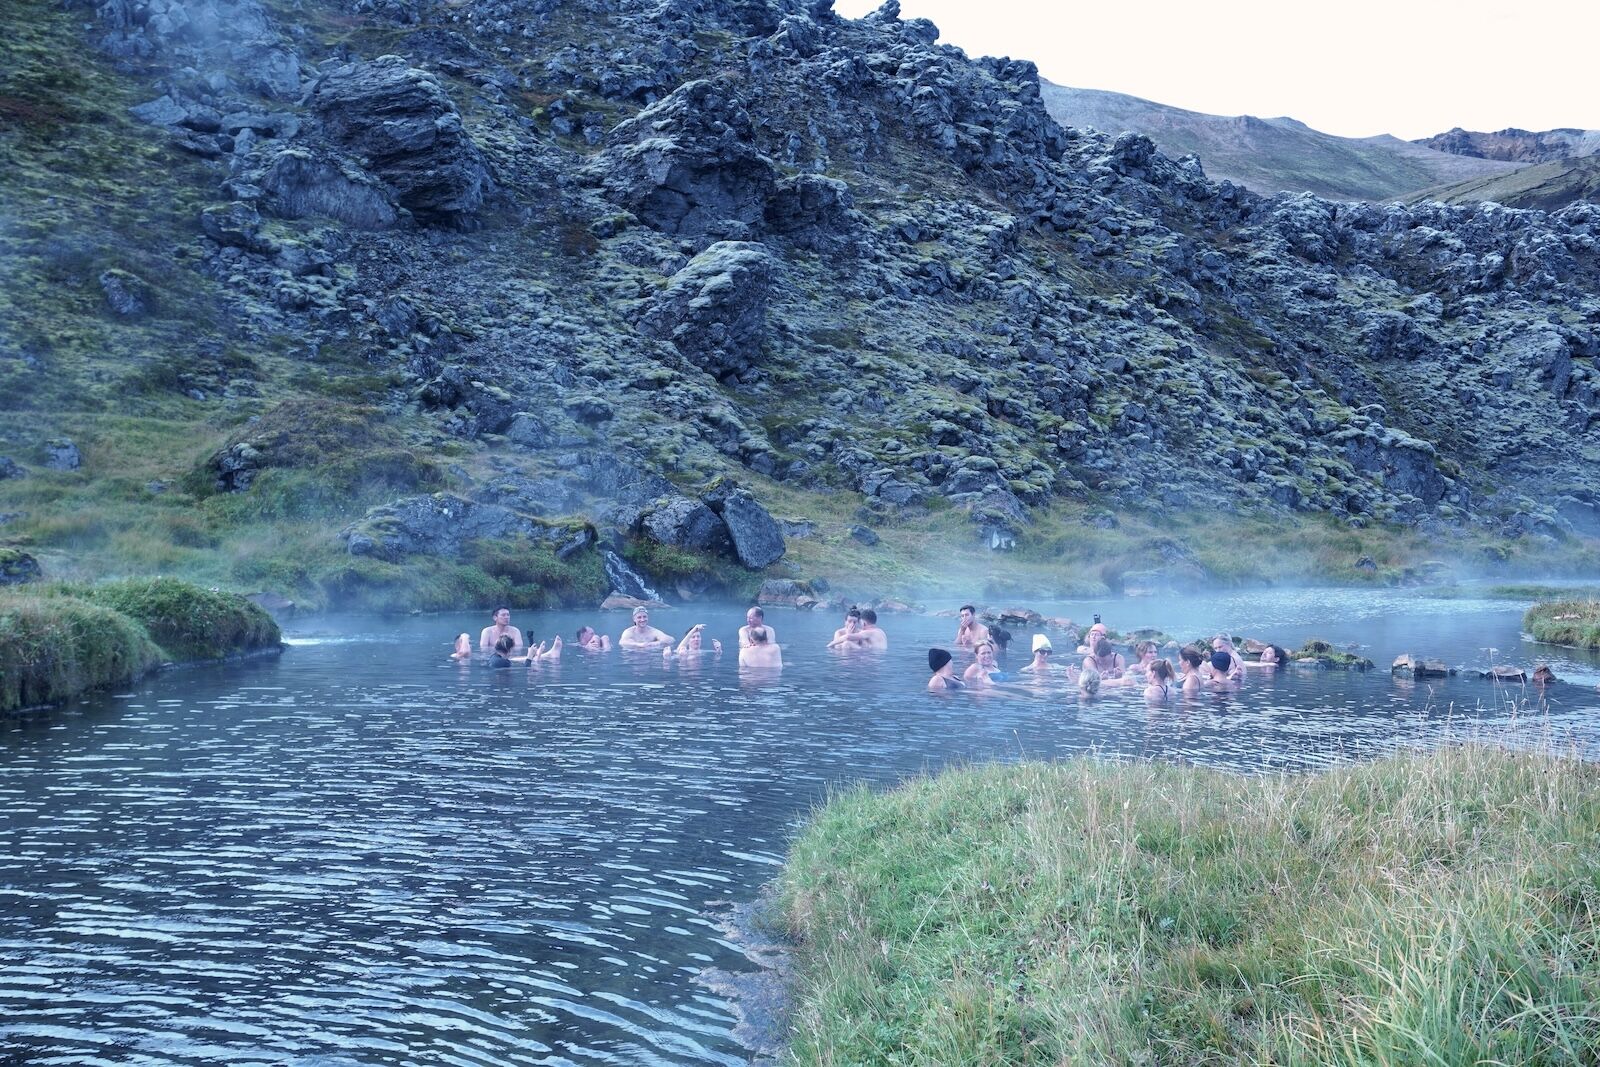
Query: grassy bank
{"x":60,"y":641}
{"x":1432,"y":908}
{"x":1571,"y":622}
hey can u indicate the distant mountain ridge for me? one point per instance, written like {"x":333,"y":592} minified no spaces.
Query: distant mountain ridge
{"x":1516,"y":146}
{"x":1543,"y":186}
{"x":1274,"y":155}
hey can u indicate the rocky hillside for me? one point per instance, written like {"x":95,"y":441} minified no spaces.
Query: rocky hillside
{"x":1541,"y":186}
{"x":341,"y":293}
{"x":1273,"y":155}
{"x":1516,"y":146}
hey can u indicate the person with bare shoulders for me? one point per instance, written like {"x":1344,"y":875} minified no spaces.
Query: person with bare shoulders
{"x":761,"y":652}
{"x":641,"y":634}
{"x":852,"y":623}
{"x":869,"y":636}
{"x":1272,"y":657}
{"x":944,"y":673}
{"x":753,"y":618}
{"x":1105,"y":660}
{"x":1225,"y":664}
{"x":463,"y":649}
{"x":1096,"y":632}
{"x":693,"y":643}
{"x":592,"y":641}
{"x":984,"y":672}
{"x":501,"y":627}
{"x":1042,"y":651}
{"x":1189,"y":660}
{"x":970,"y":633}
{"x":1158,"y":686}
{"x":1144,"y":657}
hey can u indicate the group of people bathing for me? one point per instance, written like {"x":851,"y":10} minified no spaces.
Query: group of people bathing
{"x":758,"y":642}
{"x":1102,"y":667}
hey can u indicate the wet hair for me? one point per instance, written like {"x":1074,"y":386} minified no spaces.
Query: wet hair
{"x":1161,"y":670}
{"x":982,"y":645}
{"x":500,"y":609}
{"x":505,"y":644}
{"x":1220,"y":660}
{"x":1089,"y":681}
{"x":581,"y":631}
{"x":758,"y":635}
{"x":1000,"y":637}
{"x":868,"y":615}
{"x":937,"y":658}
{"x":757,"y":609}
{"x":1191,"y":656}
{"x":853,"y":613}
{"x":1102,"y":648}
{"x":1142,"y":647}
{"x":1280,"y":654}
{"x":969,"y":607}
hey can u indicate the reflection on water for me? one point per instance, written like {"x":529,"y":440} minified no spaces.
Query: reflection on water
{"x":367,"y":854}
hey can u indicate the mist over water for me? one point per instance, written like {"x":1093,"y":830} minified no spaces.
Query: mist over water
{"x":367,"y":854}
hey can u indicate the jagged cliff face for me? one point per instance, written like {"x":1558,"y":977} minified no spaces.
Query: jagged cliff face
{"x":752,"y":237}
{"x":1517,"y":146}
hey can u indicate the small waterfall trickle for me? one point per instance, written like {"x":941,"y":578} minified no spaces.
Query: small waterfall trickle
{"x":624,"y":579}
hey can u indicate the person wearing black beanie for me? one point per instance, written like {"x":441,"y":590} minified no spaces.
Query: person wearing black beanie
{"x":944,"y":675}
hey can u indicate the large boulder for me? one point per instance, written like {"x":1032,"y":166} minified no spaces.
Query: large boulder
{"x":298,"y":182}
{"x":685,"y":165}
{"x":757,"y":538}
{"x":18,"y":568}
{"x":438,"y":525}
{"x":403,"y":124}
{"x":714,"y":310}
{"x":680,"y":522}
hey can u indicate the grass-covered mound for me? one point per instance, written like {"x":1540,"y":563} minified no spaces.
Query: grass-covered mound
{"x":64,"y":640}
{"x":1434,"y":908}
{"x":187,"y":622}
{"x":53,"y":648}
{"x":1575,"y":623}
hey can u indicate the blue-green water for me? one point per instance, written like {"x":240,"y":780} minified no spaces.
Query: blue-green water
{"x":364,"y":853}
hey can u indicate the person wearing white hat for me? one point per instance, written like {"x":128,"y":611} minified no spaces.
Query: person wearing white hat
{"x":1042,"y":650}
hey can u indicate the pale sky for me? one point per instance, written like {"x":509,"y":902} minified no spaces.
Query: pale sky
{"x":1355,"y":69}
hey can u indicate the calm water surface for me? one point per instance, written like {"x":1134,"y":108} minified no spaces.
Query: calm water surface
{"x":366,"y":854}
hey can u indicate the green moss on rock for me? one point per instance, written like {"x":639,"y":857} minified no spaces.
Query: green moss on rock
{"x":53,"y":648}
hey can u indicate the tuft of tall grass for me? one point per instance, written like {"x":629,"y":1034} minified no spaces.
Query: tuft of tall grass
{"x":1430,"y":908}
{"x":1571,"y":622}
{"x":53,"y":648}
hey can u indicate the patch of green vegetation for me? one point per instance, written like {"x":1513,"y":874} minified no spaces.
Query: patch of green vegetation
{"x":189,"y":623}
{"x":1330,"y":657}
{"x":1514,"y":592}
{"x":672,"y":567}
{"x":536,"y":578}
{"x":1430,"y":908}
{"x":53,"y":648}
{"x":1571,"y":622}
{"x":361,"y":583}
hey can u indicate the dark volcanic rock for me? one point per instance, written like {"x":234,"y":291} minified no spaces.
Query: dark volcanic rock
{"x":10,"y":469}
{"x":61,"y":454}
{"x":680,"y":522}
{"x":298,"y":182}
{"x":402,"y":123}
{"x":438,"y":525}
{"x":127,"y":295}
{"x":685,"y":165}
{"x":757,"y":538}
{"x":18,"y":568}
{"x":715,"y":309}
